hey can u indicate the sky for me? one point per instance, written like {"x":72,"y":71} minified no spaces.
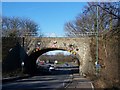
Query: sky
{"x":50,"y":16}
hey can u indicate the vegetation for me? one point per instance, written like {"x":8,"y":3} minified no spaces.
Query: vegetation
{"x":107,"y":18}
{"x":60,"y":57}
{"x":107,"y":23}
{"x":16,"y":31}
{"x":18,"y":27}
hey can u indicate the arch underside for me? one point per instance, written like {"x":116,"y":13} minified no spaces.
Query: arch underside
{"x":30,"y":61}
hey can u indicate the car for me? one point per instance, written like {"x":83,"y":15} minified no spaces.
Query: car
{"x":51,"y":68}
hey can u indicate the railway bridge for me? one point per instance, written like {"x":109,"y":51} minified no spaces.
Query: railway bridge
{"x":77,"y":46}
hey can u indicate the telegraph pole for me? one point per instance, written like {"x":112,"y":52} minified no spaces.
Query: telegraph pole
{"x":97,"y":31}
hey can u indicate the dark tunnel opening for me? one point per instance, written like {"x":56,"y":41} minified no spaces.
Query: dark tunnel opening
{"x":30,"y":61}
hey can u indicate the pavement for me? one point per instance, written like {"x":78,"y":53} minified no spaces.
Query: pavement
{"x":79,"y":82}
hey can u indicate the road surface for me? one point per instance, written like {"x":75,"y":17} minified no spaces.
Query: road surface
{"x":58,"y":79}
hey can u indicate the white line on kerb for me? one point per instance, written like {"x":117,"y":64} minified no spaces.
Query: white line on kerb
{"x":69,"y":82}
{"x":92,"y":86}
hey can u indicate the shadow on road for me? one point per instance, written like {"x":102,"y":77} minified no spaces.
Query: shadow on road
{"x":59,"y":71}
{"x":43,"y":80}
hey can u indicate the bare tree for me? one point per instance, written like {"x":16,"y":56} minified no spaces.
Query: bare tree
{"x":109,"y":15}
{"x":10,"y":27}
{"x":87,"y":21}
{"x":19,"y":27}
{"x":29,"y":27}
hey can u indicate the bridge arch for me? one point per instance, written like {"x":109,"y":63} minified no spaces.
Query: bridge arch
{"x":81,"y":45}
{"x":30,"y":62}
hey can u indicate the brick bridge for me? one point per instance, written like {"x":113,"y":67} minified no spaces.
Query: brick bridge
{"x":77,"y":46}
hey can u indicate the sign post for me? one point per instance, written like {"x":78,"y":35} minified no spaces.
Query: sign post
{"x":22,"y":64}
